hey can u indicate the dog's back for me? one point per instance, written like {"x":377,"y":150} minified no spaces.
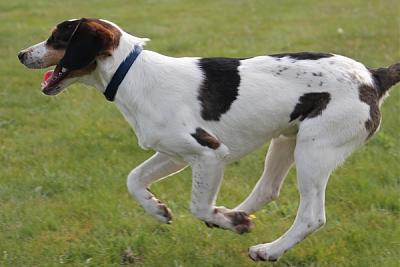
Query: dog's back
{"x":277,"y":93}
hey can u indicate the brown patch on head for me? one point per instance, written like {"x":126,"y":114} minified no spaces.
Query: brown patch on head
{"x":205,"y":139}
{"x":76,"y":43}
{"x":370,"y":96}
{"x":90,"y":38}
{"x":109,"y":35}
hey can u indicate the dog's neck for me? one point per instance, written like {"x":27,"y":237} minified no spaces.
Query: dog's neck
{"x":106,"y":67}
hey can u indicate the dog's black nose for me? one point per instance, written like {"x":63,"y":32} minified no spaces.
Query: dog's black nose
{"x":21,"y":56}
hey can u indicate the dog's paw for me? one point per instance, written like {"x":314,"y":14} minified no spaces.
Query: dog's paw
{"x":240,"y":221}
{"x":263,"y":252}
{"x":159,"y":210}
{"x":237,"y":221}
{"x":164,"y":213}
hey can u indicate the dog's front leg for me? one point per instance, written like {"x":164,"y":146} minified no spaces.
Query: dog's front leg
{"x":207,"y":176}
{"x":139,"y":180}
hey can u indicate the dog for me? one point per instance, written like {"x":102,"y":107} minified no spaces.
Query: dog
{"x":315,"y":108}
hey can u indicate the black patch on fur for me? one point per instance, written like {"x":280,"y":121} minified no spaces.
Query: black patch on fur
{"x":370,"y":96}
{"x":310,"y":105}
{"x":220,"y":86}
{"x":205,"y":139}
{"x":303,"y":55}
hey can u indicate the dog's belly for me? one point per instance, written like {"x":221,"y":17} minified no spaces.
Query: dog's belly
{"x":243,"y":131}
{"x":244,"y":140}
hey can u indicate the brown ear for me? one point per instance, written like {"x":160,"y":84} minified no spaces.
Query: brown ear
{"x":84,"y":45}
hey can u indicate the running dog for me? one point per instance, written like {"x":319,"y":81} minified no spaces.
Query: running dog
{"x":316,"y":108}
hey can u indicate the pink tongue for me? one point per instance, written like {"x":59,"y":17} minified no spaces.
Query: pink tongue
{"x":47,"y":75}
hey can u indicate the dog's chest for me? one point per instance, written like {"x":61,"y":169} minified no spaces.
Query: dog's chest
{"x":146,"y":128}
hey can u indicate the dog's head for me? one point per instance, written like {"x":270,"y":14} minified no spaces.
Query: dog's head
{"x":73,"y":47}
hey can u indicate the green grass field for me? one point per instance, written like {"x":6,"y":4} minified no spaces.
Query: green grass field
{"x":64,"y":160}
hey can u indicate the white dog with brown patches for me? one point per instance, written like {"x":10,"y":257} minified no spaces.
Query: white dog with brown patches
{"x":317,"y":108}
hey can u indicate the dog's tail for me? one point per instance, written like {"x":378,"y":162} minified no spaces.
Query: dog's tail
{"x":386,"y":77}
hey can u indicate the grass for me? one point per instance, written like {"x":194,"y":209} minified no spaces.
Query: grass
{"x":64,"y":160}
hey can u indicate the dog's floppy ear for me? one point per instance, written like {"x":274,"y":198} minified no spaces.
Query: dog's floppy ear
{"x":83,"y":47}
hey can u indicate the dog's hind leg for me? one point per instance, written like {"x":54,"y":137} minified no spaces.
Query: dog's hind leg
{"x":280,"y":158}
{"x":315,"y":158}
{"x":139,"y":179}
{"x":207,"y":176}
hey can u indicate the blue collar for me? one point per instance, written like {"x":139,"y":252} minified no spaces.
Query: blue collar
{"x":120,"y":74}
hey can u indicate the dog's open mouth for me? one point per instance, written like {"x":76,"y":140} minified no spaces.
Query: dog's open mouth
{"x":52,"y":79}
